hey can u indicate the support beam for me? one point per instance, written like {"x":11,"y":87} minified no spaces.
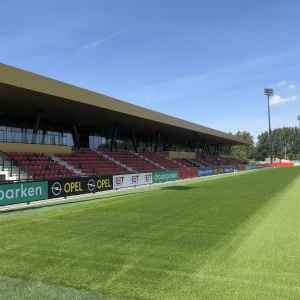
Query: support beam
{"x":207,"y":150}
{"x":24,"y":131}
{"x":138,"y":142}
{"x":204,"y":148}
{"x":61,"y":140}
{"x":133,"y":141}
{"x":185,"y":142}
{"x":44,"y":132}
{"x":216,"y":149}
{"x":191,"y":145}
{"x":36,"y":126}
{"x":145,"y":141}
{"x":113,"y":137}
{"x":167,"y":143}
{"x":157,"y":142}
{"x":75,"y":135}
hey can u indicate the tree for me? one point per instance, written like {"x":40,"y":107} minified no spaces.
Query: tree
{"x":244,"y":153}
{"x":262,"y":146}
{"x":284,"y":141}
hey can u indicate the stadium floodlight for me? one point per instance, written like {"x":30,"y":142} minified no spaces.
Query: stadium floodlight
{"x":269,"y":92}
{"x":298,"y":118}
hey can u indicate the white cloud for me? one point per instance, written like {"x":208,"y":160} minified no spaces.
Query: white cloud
{"x":282,"y":83}
{"x":292,"y":86}
{"x":279,"y":100}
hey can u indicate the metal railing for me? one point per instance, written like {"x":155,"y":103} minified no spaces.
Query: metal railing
{"x":13,"y":168}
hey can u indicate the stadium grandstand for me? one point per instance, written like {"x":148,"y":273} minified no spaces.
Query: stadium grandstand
{"x":50,"y":129}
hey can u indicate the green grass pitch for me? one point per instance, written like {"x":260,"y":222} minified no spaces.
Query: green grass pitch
{"x":227,"y":237}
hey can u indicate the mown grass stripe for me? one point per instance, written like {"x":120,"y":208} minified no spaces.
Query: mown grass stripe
{"x":236,"y":237}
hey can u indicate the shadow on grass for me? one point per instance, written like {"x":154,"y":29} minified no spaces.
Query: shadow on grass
{"x":179,"y":188}
{"x":65,"y":202}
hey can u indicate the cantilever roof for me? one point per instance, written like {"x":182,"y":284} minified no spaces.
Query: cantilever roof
{"x":23,"y":92}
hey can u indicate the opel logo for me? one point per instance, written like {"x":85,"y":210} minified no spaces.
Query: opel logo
{"x":56,"y":188}
{"x":91,"y":185}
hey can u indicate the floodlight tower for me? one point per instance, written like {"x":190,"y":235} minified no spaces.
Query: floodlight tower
{"x":270,"y":92}
{"x":298,"y":118}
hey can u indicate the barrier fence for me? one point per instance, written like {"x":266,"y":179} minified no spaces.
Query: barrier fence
{"x":14,"y":193}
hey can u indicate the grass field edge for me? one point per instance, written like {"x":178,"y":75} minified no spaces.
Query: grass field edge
{"x":86,"y":197}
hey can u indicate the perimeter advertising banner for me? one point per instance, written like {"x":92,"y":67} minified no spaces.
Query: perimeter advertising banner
{"x":218,"y":170}
{"x":13,"y":193}
{"x":288,"y":164}
{"x":205,"y":172}
{"x":250,"y":167}
{"x":165,"y":176}
{"x":296,"y":164}
{"x":80,"y":185}
{"x":241,"y":168}
{"x":186,"y":174}
{"x":229,"y":169}
{"x":267,"y":165}
{"x":122,"y":181}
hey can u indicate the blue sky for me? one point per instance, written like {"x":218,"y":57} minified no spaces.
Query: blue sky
{"x":204,"y":61}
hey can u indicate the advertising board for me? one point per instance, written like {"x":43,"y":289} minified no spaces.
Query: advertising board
{"x":203,"y":172}
{"x":185,"y":174}
{"x":288,"y":164}
{"x":229,"y":169}
{"x":165,"y":176}
{"x":218,"y":170}
{"x":241,"y":168}
{"x":77,"y":186}
{"x":13,"y":193}
{"x":122,"y":181}
{"x":250,"y":167}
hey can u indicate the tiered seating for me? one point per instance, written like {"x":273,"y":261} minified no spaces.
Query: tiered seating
{"x":39,"y":166}
{"x":235,"y":161}
{"x":185,"y":163}
{"x":212,"y":160}
{"x":92,"y":163}
{"x":162,"y":161}
{"x":131,"y":160}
